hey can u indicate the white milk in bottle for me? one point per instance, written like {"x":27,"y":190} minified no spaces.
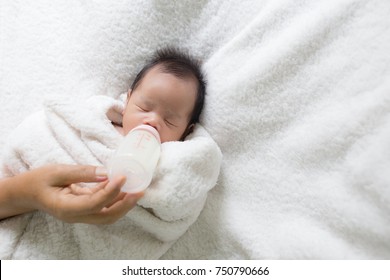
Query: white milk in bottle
{"x":136,"y":158}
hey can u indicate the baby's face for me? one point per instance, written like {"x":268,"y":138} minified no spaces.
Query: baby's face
{"x":163,"y":101}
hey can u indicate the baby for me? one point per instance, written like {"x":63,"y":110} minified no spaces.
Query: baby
{"x":167,"y":94}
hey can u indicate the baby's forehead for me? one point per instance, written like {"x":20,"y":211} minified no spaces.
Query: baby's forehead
{"x":157,"y":77}
{"x":161,"y":68}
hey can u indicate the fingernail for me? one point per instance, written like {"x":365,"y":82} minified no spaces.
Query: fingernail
{"x":100,"y":171}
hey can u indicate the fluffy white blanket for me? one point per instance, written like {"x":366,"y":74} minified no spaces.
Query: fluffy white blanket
{"x":298,"y":101}
{"x":81,"y":132}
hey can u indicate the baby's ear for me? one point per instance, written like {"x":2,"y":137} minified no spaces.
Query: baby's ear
{"x":190,"y":128}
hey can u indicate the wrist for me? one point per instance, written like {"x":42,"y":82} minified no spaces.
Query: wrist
{"x":23,"y":194}
{"x":14,"y":199}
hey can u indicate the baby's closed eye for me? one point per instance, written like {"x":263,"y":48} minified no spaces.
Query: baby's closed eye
{"x":142,"y":108}
{"x":170,"y":123}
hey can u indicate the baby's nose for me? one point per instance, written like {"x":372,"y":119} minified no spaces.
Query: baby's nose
{"x":153,"y":121}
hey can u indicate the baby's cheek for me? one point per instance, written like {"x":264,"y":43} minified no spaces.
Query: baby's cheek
{"x":167,"y":136}
{"x":127,"y":125}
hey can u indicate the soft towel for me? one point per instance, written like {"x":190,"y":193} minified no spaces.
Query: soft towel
{"x":81,"y":132}
{"x":298,"y":101}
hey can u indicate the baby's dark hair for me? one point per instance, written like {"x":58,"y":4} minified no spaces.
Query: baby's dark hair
{"x":183,"y":66}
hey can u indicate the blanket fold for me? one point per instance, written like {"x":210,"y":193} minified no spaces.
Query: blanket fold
{"x":82,"y":133}
{"x":298,"y":100}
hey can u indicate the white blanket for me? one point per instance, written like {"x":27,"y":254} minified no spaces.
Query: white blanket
{"x":81,"y":132}
{"x":298,"y":101}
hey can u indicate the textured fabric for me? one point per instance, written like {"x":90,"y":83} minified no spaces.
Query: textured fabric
{"x":81,"y":133}
{"x":298,"y":101}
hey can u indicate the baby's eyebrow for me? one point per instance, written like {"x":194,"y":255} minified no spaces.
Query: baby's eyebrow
{"x":171,"y":113}
{"x":148,"y":102}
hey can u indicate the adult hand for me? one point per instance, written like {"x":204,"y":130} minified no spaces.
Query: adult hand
{"x":53,"y":189}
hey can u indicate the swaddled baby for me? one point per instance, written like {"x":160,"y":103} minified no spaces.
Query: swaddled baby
{"x":167,"y":94}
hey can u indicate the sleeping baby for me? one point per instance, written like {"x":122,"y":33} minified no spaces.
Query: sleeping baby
{"x":167,"y":94}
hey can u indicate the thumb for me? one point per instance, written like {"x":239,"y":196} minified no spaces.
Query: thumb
{"x":63,"y":174}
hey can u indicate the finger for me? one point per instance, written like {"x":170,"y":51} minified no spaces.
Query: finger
{"x":109,"y":215}
{"x":80,"y":205}
{"x":79,"y":190}
{"x":120,"y":196}
{"x":68,"y":174}
{"x":105,"y":195}
{"x":98,"y":187}
{"x":69,"y":203}
{"x":124,"y":195}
